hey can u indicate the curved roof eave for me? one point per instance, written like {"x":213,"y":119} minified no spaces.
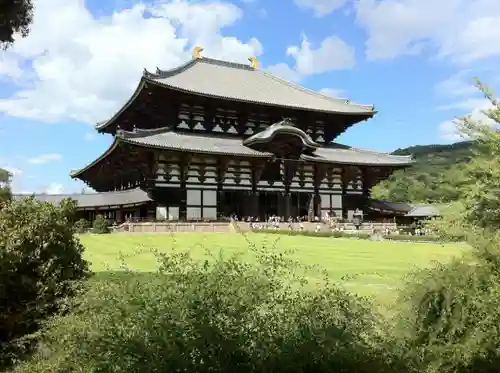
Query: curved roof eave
{"x":104,"y":124}
{"x":77,"y":173}
{"x":402,"y":163}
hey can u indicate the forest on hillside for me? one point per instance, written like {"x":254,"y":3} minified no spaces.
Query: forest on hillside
{"x":437,"y":175}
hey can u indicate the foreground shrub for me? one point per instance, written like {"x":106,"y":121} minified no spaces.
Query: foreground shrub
{"x":41,"y":266}
{"x":222,"y":315}
{"x":100,"y":225}
{"x":452,"y":317}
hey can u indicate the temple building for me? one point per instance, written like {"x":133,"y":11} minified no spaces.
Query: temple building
{"x":211,"y":138}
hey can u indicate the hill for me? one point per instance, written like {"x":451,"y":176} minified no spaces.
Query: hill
{"x":436,"y":176}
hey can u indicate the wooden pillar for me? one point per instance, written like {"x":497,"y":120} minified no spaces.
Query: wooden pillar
{"x":257,"y":169}
{"x":320,"y":171}
{"x":184,"y":168}
{"x":222,"y":165}
{"x":366,"y":186}
{"x":344,"y":192}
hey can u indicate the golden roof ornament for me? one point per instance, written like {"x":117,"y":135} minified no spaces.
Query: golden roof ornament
{"x":254,"y":62}
{"x":197,"y":52}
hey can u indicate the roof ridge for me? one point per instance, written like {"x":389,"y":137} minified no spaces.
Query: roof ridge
{"x":313,"y":92}
{"x":166,"y":73}
{"x":160,"y":73}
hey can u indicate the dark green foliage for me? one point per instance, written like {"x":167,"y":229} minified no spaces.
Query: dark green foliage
{"x":82,"y":226}
{"x":41,"y":266}
{"x":222,"y":315}
{"x":100,"y":225}
{"x":452,"y":318}
{"x":437,"y":175}
{"x":451,"y":322}
{"x":15,"y":16}
{"x":5,"y":192}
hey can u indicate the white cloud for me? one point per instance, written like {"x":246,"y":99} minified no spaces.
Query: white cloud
{"x":54,"y":188}
{"x":89,"y":136}
{"x":285,"y":72}
{"x":83,"y":68}
{"x":321,"y":7}
{"x":461,"y":29}
{"x":448,"y":131}
{"x":336,"y":93}
{"x":45,"y":158}
{"x":460,"y":84}
{"x":473,"y":106}
{"x":332,"y":54}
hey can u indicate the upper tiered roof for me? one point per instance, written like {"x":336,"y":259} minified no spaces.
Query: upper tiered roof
{"x":242,"y":83}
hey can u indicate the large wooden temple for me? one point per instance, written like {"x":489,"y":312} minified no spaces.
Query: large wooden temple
{"x":212,"y":138}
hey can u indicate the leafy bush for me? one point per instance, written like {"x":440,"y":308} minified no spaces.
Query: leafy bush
{"x":5,"y":191}
{"x":100,"y":225}
{"x":450,"y":323}
{"x":82,"y":226}
{"x":221,"y":315}
{"x":41,"y":266}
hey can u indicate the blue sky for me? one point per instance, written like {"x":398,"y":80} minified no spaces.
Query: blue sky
{"x":414,"y":60}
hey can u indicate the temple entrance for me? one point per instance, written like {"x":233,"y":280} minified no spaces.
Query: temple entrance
{"x":300,"y":204}
{"x":232,"y":202}
{"x":268,"y":204}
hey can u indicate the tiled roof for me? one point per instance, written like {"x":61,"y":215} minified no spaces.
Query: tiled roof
{"x":406,"y":209}
{"x":207,"y":144}
{"x":424,"y":211}
{"x":223,"y":145}
{"x":124,"y":197}
{"x":348,"y":155}
{"x":233,"y":81}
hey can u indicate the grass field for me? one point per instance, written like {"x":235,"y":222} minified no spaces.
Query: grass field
{"x":371,"y":268}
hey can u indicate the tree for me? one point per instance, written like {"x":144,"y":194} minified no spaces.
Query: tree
{"x":100,"y":225}
{"x":482,"y":196}
{"x":453,"y":310}
{"x":41,"y":268}
{"x":15,"y":17}
{"x":5,"y":192}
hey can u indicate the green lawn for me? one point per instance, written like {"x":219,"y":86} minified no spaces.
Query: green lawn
{"x":371,"y":268}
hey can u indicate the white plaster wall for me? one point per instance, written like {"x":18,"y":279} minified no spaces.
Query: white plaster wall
{"x":209,"y":198}
{"x":193,"y":197}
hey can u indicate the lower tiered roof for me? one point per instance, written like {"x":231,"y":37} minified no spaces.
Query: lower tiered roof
{"x":165,"y":138}
{"x":122,"y":198}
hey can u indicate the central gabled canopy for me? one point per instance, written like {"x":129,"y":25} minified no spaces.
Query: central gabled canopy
{"x":282,"y":137}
